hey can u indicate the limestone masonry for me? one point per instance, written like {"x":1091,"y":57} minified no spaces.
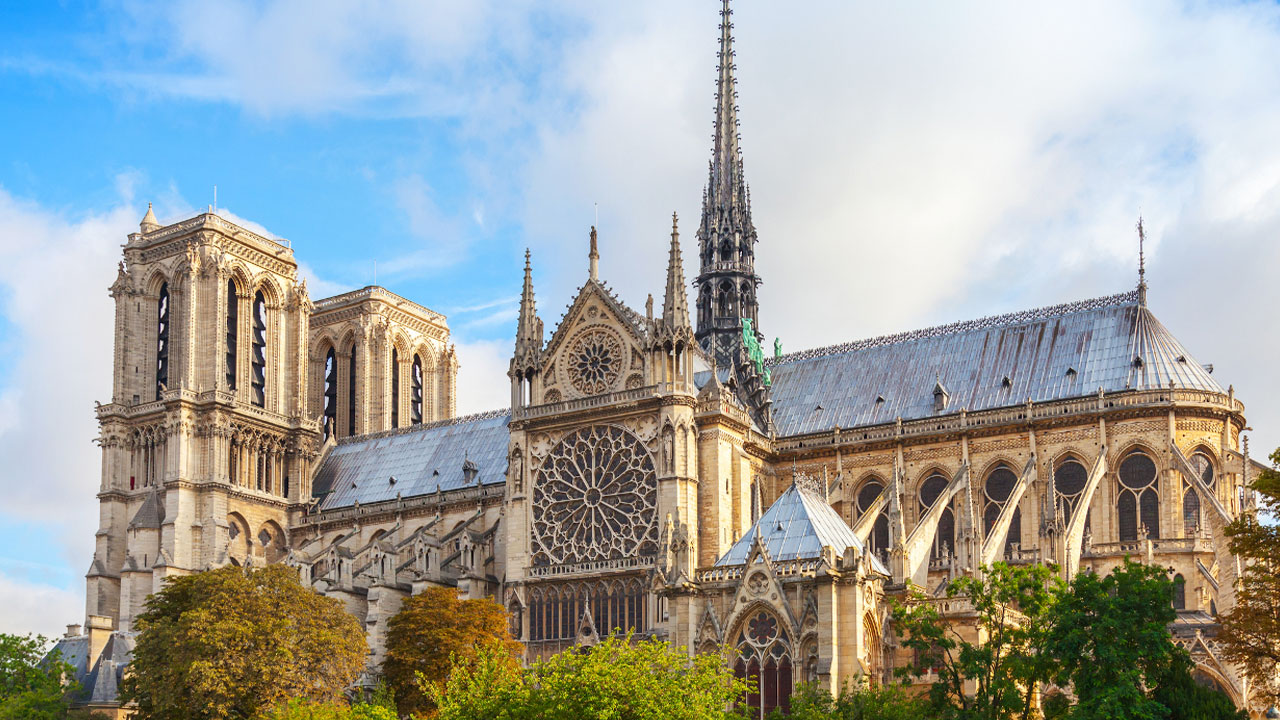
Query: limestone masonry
{"x":667,"y":471}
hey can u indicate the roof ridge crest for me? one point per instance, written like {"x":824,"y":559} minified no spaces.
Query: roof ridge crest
{"x":993,"y":321}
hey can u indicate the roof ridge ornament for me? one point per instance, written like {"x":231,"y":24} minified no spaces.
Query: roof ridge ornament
{"x":594,"y":257}
{"x":1142,"y":264}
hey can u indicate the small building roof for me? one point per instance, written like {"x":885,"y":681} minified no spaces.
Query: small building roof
{"x":797,"y":526}
{"x":423,"y":459}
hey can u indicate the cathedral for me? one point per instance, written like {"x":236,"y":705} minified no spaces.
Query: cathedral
{"x":665,"y":471}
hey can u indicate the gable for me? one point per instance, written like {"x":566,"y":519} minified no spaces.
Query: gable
{"x":596,"y":349}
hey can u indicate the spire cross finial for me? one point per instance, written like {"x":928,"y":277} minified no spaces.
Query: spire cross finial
{"x":1142,"y":263}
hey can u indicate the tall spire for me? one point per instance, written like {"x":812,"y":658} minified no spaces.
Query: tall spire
{"x":726,"y":162}
{"x":1142,"y":263}
{"x":727,"y":280}
{"x":675,"y":303}
{"x":594,"y":257}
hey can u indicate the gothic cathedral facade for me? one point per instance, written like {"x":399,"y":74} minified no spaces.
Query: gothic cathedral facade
{"x":663,"y":472}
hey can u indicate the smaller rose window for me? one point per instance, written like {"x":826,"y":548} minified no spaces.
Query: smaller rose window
{"x":762,"y":628}
{"x":595,"y":361}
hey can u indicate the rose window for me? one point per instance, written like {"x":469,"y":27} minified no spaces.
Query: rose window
{"x":595,"y":499}
{"x":595,"y":361}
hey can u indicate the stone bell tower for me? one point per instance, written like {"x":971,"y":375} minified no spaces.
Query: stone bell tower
{"x":206,"y":447}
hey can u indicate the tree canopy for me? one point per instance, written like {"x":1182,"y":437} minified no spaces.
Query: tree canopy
{"x":31,"y":684}
{"x":434,"y":630}
{"x":232,"y":643}
{"x":617,"y":679}
{"x":863,"y":702}
{"x":1250,"y":634}
{"x":1105,"y":637}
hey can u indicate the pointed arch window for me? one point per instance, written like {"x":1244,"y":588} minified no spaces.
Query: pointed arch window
{"x":351,"y":392}
{"x":395,"y":388}
{"x":259,"y":354}
{"x":1069,"y":481}
{"x":1138,"y":504}
{"x":415,"y":391}
{"x":879,"y":538}
{"x":233,"y":332}
{"x":330,"y":393}
{"x":162,"y":340}
{"x":765,"y":659}
{"x":1179,"y":592}
{"x":944,"y":540}
{"x":1203,"y":466}
{"x":998,"y":487}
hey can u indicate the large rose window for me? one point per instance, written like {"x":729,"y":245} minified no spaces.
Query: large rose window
{"x":595,"y":361}
{"x":595,"y":499}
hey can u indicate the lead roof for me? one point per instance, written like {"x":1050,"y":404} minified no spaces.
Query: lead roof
{"x":797,"y":526}
{"x":423,"y":459}
{"x":1112,"y":343}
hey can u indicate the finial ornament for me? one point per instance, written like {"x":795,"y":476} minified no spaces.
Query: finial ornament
{"x":594,"y":257}
{"x":1142,"y":263}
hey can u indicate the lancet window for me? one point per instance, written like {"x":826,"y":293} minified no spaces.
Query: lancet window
{"x":764,"y":656}
{"x":415,"y":391}
{"x":259,"y":355}
{"x":879,"y":538}
{"x":944,"y":540}
{"x":162,"y":340}
{"x":395,"y":388}
{"x":1191,"y":517}
{"x":351,"y":392}
{"x":1138,"y":503}
{"x":997,"y":489}
{"x":558,"y":612}
{"x":330,"y":392}
{"x":233,"y":333}
{"x":1069,"y":481}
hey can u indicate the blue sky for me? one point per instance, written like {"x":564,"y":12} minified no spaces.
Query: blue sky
{"x":910,"y":165}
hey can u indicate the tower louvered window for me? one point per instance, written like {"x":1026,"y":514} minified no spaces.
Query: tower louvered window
{"x":415,"y":392}
{"x":330,"y":393}
{"x":259,"y":359}
{"x":395,"y":388}
{"x":351,"y":392}
{"x":1138,"y":504}
{"x":233,"y":332}
{"x":162,"y":340}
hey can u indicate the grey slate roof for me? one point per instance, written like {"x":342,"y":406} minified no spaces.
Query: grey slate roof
{"x":796,"y":527}
{"x":816,"y":390}
{"x":422,"y":459}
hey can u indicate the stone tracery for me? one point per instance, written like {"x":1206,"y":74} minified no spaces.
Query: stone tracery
{"x":595,"y":499}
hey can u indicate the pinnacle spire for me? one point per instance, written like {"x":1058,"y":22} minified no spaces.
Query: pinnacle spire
{"x":149,"y":222}
{"x":594,"y":257}
{"x":675,"y":303}
{"x":529,"y":330}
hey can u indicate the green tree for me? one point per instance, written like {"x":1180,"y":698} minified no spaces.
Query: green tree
{"x":233,"y":642}
{"x":619,"y":678}
{"x":988,"y":673}
{"x":1250,"y":634}
{"x":1186,"y":699}
{"x":863,"y":702}
{"x":31,"y":683}
{"x":300,"y":709}
{"x":433,"y":630}
{"x":1110,"y":638}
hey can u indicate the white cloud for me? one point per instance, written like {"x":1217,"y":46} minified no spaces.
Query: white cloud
{"x":482,"y":377}
{"x":35,"y":608}
{"x":54,"y":274}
